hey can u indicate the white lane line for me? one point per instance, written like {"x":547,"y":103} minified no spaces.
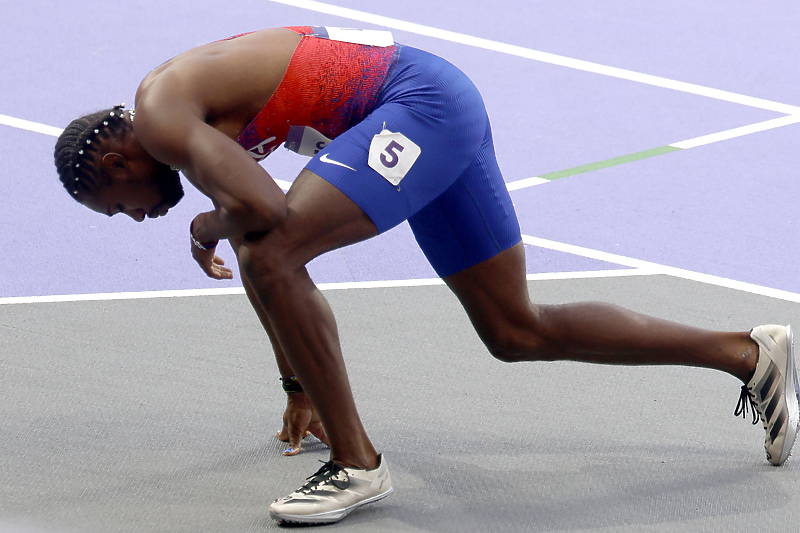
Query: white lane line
{"x":97,"y":297}
{"x":738,"y":132}
{"x":655,"y":268}
{"x":636,"y":267}
{"x":55,"y":132}
{"x":591,"y":274}
{"x":536,"y":55}
{"x":425,"y":282}
{"x":525,"y":183}
{"x":681,"y":145}
{"x":30,"y":126}
{"x":185,"y":293}
{"x":543,"y":276}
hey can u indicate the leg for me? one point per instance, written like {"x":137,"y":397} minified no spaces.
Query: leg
{"x":299,"y":419}
{"x":495,"y":296}
{"x":494,"y":293}
{"x":320,"y":219}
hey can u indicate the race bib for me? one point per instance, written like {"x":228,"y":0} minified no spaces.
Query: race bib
{"x":380,"y":38}
{"x":392,"y":155}
{"x":305,"y":140}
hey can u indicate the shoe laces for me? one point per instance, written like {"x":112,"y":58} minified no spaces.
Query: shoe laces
{"x":327,"y":473}
{"x":746,"y":402}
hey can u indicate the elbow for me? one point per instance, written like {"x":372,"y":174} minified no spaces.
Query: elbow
{"x":271,"y":211}
{"x":275,"y":215}
{"x":257,"y":217}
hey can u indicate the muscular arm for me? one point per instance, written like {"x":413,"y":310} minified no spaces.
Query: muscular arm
{"x":247,"y":199}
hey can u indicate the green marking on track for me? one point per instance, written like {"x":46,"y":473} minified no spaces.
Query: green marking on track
{"x":591,"y":167}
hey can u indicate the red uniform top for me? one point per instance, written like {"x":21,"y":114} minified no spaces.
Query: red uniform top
{"x":329,"y":86}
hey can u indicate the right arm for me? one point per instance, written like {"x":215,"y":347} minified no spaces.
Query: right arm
{"x":246,"y":198}
{"x":299,"y":418}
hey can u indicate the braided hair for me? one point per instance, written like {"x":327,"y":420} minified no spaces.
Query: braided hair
{"x":77,"y":147}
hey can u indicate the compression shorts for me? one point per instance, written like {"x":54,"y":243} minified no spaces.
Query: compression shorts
{"x":425,"y":154}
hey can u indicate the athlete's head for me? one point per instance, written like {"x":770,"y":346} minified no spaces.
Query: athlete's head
{"x":102,"y":166}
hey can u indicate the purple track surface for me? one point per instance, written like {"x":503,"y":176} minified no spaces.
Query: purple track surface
{"x":726,"y":209}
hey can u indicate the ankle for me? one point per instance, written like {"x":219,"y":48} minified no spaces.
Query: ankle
{"x":359,"y":462}
{"x":749,"y":360}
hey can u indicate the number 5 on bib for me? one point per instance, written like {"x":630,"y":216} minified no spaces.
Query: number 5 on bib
{"x":392,"y":154}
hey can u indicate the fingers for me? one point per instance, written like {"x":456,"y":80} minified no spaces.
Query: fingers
{"x":217,"y":271}
{"x":315,"y":428}
{"x":292,"y":450}
{"x":212,"y":264}
{"x":297,"y":421}
{"x":283,"y":434}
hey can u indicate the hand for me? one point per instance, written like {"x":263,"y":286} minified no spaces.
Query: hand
{"x":299,"y":421}
{"x":212,"y":265}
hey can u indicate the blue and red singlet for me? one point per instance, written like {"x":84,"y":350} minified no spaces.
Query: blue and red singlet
{"x":329,"y":86}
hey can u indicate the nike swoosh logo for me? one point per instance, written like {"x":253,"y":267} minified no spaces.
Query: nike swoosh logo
{"x":326,"y":159}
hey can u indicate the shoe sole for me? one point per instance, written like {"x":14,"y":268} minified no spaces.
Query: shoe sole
{"x":327,"y":517}
{"x":792,"y":400}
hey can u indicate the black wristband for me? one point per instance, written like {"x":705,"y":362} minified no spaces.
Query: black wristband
{"x":201,"y":245}
{"x":291,"y":385}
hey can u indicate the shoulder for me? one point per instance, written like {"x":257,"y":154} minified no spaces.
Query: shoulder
{"x":164,"y":121}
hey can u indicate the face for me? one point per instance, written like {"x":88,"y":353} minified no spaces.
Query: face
{"x":143,"y":193}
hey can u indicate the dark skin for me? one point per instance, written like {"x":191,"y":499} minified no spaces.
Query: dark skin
{"x":188,"y":113}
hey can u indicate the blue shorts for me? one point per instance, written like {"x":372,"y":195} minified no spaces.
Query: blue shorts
{"x":453,"y":196}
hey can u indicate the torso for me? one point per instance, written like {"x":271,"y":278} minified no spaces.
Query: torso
{"x":330,"y":85}
{"x":219,"y":79}
{"x":263,"y":87}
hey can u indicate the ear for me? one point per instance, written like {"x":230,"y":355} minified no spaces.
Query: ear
{"x":113,"y":161}
{"x":115,"y":166}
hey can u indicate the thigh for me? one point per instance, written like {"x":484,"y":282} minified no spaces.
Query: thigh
{"x":438,"y":120}
{"x":472,"y":221}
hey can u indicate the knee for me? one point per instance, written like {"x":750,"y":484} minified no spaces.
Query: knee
{"x":513,"y":345}
{"x":502,"y":350}
{"x":521,"y":338}
{"x":264,"y":263}
{"x":507,"y":351}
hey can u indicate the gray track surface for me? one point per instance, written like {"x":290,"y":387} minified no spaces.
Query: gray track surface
{"x":158,"y":416}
